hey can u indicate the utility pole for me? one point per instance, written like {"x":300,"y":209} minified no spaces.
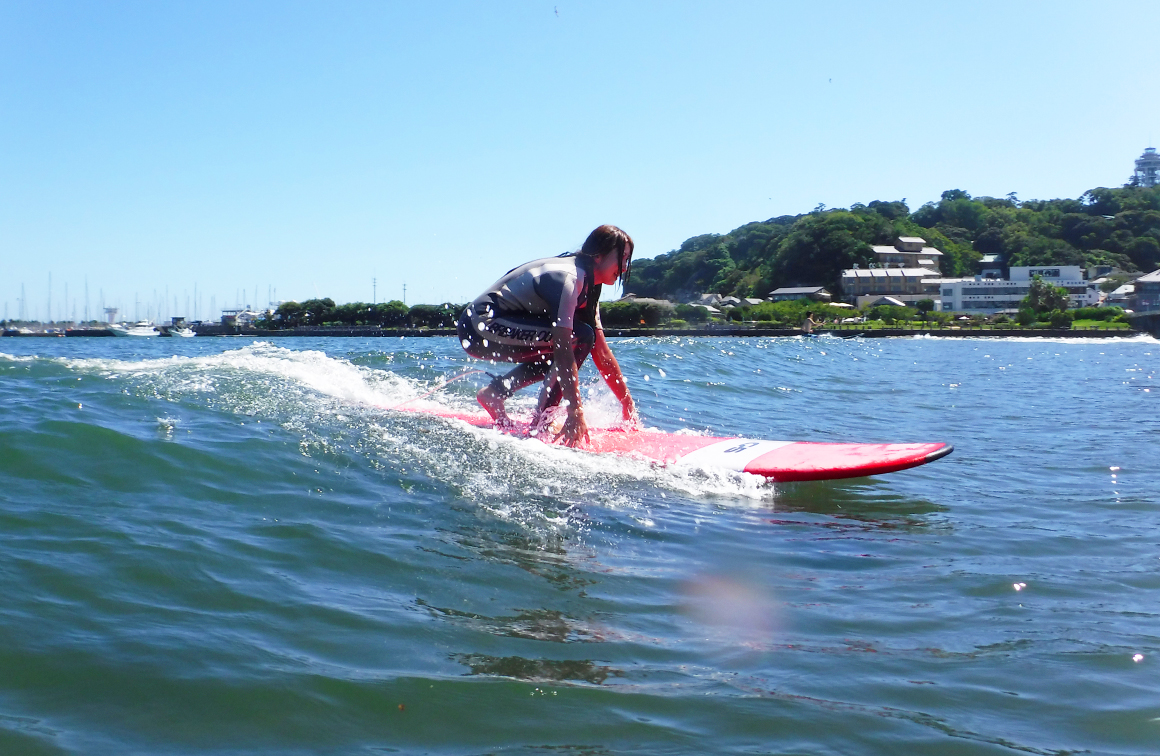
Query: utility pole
{"x":374,"y":291}
{"x":404,"y":293}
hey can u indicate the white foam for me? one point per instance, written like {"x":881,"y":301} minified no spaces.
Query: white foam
{"x":338,"y":406}
{"x":1138,"y":338}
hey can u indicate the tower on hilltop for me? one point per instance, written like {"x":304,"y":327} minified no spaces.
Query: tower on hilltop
{"x":1147,"y":169}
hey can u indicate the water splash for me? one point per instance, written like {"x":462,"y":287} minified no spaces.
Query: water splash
{"x":338,"y":407}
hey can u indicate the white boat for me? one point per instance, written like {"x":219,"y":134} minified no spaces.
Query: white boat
{"x":140,"y":328}
{"x":186,"y":332}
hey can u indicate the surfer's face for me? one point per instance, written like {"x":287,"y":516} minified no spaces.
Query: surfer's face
{"x":606,"y":268}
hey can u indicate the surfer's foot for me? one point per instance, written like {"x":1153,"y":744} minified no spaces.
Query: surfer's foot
{"x":547,"y":420}
{"x":494,"y":404}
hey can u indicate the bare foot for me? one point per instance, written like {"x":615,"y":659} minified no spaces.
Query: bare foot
{"x":549,"y":420}
{"x":495,"y":407}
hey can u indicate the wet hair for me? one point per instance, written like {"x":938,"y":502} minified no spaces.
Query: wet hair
{"x":607,"y":239}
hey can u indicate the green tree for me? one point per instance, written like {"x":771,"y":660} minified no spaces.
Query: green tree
{"x":891,"y":314}
{"x":691,"y":313}
{"x":1043,"y":297}
{"x":353,"y":313}
{"x":315,"y":312}
{"x":1105,"y":226}
{"x":391,"y":314}
{"x":820,"y":246}
{"x":434,"y":316}
{"x":288,"y":315}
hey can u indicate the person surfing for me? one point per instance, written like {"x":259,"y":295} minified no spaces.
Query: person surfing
{"x":544,"y":316}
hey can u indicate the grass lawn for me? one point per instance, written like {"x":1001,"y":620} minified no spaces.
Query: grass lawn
{"x":1099,"y":324}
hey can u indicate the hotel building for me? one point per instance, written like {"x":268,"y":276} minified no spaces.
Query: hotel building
{"x":991,"y":295}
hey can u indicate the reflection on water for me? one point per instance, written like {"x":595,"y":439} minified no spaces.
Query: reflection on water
{"x":533,"y":624}
{"x":537,"y":553}
{"x":537,"y":670}
{"x":870,"y":500}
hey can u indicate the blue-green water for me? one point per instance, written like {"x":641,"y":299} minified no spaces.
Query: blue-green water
{"x":219,"y":546}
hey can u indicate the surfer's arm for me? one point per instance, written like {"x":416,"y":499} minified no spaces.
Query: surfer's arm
{"x":568,"y":373}
{"x":610,"y":371}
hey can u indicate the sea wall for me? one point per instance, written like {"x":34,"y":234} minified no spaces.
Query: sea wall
{"x":730,"y":330}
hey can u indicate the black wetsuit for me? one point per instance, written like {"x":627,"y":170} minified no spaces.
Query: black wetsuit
{"x":512,"y":321}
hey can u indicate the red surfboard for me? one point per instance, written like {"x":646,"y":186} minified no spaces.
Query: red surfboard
{"x":777,"y":460}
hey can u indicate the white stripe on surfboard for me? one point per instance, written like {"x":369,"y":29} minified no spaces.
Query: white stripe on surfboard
{"x":731,"y":454}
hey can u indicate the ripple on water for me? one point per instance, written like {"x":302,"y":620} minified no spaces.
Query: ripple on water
{"x":234,"y":547}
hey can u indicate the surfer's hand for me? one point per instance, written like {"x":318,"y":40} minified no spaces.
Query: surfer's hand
{"x":628,"y":411}
{"x":575,"y":429}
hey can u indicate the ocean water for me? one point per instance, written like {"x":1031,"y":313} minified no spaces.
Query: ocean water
{"x":226,"y":546}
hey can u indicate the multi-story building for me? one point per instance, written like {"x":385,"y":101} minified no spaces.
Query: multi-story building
{"x":990,"y":295}
{"x":908,"y":252}
{"x":899,"y":273}
{"x":908,"y":285}
{"x":1148,"y":292}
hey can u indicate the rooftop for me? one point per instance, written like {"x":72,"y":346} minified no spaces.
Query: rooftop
{"x":886,"y":250}
{"x":889,"y":273}
{"x":798,"y":290}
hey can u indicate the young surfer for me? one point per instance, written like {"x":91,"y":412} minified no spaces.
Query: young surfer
{"x":544,"y":316}
{"x":808,"y":324}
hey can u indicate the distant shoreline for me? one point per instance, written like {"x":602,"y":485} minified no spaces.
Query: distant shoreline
{"x":757,"y":331}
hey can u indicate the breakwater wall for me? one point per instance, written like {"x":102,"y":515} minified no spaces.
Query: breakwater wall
{"x":1146,"y":321}
{"x":735,"y":330}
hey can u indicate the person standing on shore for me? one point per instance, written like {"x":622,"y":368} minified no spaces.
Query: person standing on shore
{"x":545,"y":317}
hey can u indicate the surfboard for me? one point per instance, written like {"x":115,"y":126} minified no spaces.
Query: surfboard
{"x":777,"y":460}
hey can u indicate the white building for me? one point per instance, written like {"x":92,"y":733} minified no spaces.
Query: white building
{"x":990,"y":295}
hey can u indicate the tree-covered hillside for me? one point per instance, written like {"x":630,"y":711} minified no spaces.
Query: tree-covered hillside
{"x":1118,"y":227}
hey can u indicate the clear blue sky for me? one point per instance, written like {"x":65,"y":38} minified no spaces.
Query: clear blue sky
{"x":311,"y":147}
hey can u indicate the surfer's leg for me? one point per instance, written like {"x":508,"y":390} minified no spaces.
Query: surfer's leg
{"x":489,"y":336}
{"x":583,"y":339}
{"x":494,"y":395}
